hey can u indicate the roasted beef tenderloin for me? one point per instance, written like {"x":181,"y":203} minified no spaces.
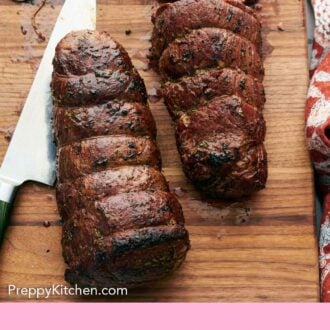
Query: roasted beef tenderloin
{"x":122,"y":226}
{"x":208,"y":53}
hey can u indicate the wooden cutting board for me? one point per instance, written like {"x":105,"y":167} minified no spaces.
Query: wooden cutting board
{"x":257,"y":249}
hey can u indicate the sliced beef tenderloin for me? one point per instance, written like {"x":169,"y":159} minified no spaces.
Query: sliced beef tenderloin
{"x":208,"y":55}
{"x":221,"y":147}
{"x":124,"y":179}
{"x":80,"y":54}
{"x":177,"y":19}
{"x":105,"y":152}
{"x":192,"y":91}
{"x":131,"y":210}
{"x":209,"y":47}
{"x":132,"y":222}
{"x":111,"y":118}
{"x":128,"y":259}
{"x":122,"y":226}
{"x":94,"y":88}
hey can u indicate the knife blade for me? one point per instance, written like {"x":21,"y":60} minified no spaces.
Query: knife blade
{"x":31,"y":154}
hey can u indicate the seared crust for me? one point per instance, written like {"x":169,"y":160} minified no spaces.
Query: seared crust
{"x":98,"y":88}
{"x":91,"y":69}
{"x":190,"y":92}
{"x":122,"y":225}
{"x":131,"y":258}
{"x":114,"y":181}
{"x":136,"y":210}
{"x":103,"y":152}
{"x":111,"y":118}
{"x":130,"y":210}
{"x":87,"y":52}
{"x":178,"y":19}
{"x":208,"y":55}
{"x":221,"y":147}
{"x":210,"y":47}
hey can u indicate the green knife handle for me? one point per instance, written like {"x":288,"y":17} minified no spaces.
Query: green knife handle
{"x":7,"y":196}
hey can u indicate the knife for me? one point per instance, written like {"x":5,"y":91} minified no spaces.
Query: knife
{"x":31,"y":154}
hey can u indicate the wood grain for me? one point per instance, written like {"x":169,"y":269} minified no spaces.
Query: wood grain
{"x":258,"y":249}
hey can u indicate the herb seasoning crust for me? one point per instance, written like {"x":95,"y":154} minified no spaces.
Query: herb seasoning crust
{"x":122,"y":226}
{"x":208,"y":53}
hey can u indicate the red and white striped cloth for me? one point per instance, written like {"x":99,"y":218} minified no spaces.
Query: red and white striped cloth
{"x":318,"y":128}
{"x":321,"y":45}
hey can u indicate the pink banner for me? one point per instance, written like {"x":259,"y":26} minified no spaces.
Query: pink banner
{"x":163,"y":316}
